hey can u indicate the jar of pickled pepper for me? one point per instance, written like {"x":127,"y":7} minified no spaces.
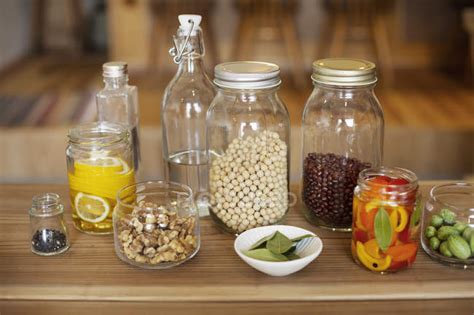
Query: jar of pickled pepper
{"x":386,"y":219}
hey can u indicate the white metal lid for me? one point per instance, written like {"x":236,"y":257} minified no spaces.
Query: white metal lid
{"x":247,"y":75}
{"x":185,"y":23}
{"x":344,"y":72}
{"x":114,"y":69}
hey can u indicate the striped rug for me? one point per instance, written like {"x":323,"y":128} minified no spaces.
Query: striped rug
{"x":48,"y":109}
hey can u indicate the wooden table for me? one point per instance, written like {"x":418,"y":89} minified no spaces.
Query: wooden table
{"x":89,"y":278}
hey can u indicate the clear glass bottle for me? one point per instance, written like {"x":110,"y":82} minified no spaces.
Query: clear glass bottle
{"x":386,"y":219}
{"x":248,"y":134}
{"x":99,"y":164}
{"x":118,"y":103}
{"x":49,"y":233}
{"x":343,"y":129}
{"x":185,"y":103}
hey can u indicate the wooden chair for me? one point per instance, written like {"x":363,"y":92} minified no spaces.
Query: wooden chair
{"x":39,"y":21}
{"x":269,"y":20}
{"x":366,"y":19}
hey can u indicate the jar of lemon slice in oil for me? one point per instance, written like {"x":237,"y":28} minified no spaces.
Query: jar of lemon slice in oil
{"x":99,"y":163}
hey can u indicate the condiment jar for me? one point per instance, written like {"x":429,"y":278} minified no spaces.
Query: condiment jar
{"x":49,"y":234}
{"x":156,"y":224}
{"x":386,"y":219}
{"x":343,"y":130}
{"x":448,"y":218}
{"x":99,"y":163}
{"x":248,"y":131}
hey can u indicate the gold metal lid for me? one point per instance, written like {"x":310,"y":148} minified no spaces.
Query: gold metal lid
{"x":247,"y":75}
{"x":344,"y":72}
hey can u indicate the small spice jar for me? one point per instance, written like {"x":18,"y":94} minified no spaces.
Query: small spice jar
{"x":49,"y":235}
{"x":248,"y":131}
{"x":156,"y":225}
{"x":342,"y":135}
{"x":386,"y":219}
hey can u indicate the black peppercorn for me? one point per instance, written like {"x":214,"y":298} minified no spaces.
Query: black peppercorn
{"x":48,"y":241}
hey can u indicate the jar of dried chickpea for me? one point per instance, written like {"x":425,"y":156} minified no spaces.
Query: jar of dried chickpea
{"x":248,"y":131}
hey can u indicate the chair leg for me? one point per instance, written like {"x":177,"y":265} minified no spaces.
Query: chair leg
{"x":244,"y":39}
{"x":78,"y":27}
{"x":382,"y":45}
{"x":293,"y":49}
{"x":336,"y":48}
{"x":37,"y":29}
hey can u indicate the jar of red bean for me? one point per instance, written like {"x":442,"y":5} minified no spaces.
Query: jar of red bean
{"x":343,"y":128}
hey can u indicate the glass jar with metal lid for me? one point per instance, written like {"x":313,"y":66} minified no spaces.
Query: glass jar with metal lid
{"x":343,"y":128}
{"x":100,"y":163}
{"x":248,"y":132}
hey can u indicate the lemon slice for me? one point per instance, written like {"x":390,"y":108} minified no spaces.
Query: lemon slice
{"x":91,"y":208}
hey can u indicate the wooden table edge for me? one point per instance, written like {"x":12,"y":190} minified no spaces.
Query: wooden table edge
{"x":423,"y":290}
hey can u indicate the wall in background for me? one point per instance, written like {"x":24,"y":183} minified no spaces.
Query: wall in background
{"x":15,"y":30}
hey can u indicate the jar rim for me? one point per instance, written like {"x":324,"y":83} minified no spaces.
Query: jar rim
{"x":399,"y":172}
{"x":126,"y":192}
{"x":100,"y":134}
{"x":437,"y":189}
{"x":46,"y":205}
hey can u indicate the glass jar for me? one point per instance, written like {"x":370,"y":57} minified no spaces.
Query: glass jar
{"x":156,"y":225}
{"x":248,"y":133}
{"x":99,"y":163}
{"x":386,"y":219}
{"x":343,"y":130}
{"x":450,"y":205}
{"x":49,"y":234}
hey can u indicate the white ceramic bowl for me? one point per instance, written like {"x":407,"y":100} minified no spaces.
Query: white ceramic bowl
{"x":308,"y":249}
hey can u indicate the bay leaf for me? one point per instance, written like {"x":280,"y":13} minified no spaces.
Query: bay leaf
{"x":415,"y":217}
{"x":265,"y":254}
{"x":262,"y":242}
{"x":302,"y":237}
{"x":279,"y":243}
{"x":292,"y":256}
{"x":383,"y":229}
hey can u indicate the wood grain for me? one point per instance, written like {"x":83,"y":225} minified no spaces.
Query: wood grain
{"x":461,"y":307}
{"x":214,"y":280}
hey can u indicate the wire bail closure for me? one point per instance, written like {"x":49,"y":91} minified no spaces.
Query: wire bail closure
{"x":178,"y":53}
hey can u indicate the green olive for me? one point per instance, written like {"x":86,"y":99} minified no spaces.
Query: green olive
{"x":436,"y":221}
{"x":434,"y":243}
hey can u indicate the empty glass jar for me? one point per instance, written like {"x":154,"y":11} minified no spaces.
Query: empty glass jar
{"x":248,"y":132}
{"x":343,"y":130}
{"x":49,"y":234}
{"x":156,"y":225}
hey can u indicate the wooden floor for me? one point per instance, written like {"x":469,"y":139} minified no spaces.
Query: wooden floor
{"x":420,"y":99}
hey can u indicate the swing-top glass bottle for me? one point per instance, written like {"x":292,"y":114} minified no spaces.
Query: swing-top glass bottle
{"x":186,"y":100}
